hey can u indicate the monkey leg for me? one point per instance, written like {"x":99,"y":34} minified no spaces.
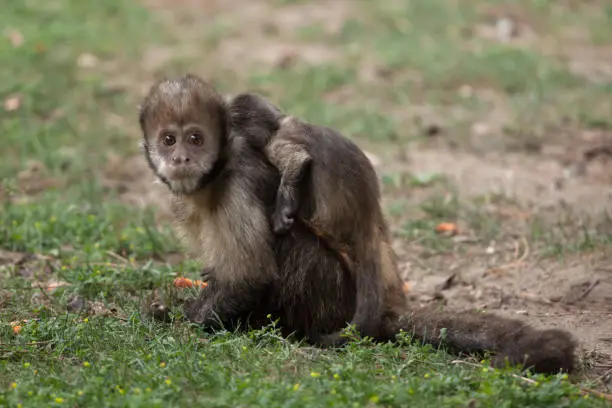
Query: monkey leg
{"x":510,"y":341}
{"x":368,"y":305}
{"x":316,"y":294}
{"x":229,"y":305}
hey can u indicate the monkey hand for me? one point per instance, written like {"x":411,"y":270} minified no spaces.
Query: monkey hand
{"x":284,"y":214}
{"x":282,"y":221}
{"x":159,"y":311}
{"x":195,"y":310}
{"x":207,"y":274}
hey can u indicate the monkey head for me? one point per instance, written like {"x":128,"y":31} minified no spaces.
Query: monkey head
{"x":185,"y":126}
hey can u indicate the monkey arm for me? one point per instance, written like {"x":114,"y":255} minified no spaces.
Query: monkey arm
{"x":292,"y":160}
{"x":224,"y":304}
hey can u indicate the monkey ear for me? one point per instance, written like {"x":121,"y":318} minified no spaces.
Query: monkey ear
{"x":228,"y":98}
{"x":141,"y":116}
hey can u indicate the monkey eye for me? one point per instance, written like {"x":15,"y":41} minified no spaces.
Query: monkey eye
{"x":168,"y":139}
{"x":196,"y":139}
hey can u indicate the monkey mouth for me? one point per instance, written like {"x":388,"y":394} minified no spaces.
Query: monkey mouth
{"x":180,"y":180}
{"x":184,"y":186}
{"x":183,"y":180}
{"x":180,"y":173}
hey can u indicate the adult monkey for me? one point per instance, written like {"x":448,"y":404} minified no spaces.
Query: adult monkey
{"x":221,"y":159}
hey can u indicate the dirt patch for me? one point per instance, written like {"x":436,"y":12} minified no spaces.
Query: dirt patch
{"x":593,"y":62}
{"x":251,"y":34}
{"x":574,"y":294}
{"x":533,"y":181}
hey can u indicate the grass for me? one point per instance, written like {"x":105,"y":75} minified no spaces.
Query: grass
{"x":66,"y":235}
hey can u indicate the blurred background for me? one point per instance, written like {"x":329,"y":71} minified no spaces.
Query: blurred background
{"x":489,"y":123}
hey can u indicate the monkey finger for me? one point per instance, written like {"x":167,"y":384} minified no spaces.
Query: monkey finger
{"x":160,"y":312}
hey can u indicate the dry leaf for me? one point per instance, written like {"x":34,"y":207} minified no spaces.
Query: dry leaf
{"x":87,"y":60}
{"x":51,"y":285}
{"x":16,"y":38}
{"x":12,"y":103}
{"x":17,"y":326}
{"x":11,"y":258}
{"x":406,"y":287}
{"x":100,"y":309}
{"x":286,"y":59}
{"x":447,"y":284}
{"x":182,"y":282}
{"x":447,"y":228}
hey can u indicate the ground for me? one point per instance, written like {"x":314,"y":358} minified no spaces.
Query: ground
{"x":493,"y":117}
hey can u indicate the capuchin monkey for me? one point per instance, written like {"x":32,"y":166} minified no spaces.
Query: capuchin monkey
{"x":286,"y":218}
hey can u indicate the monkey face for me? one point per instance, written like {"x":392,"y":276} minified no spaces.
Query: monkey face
{"x":184,"y":156}
{"x":184,"y":122}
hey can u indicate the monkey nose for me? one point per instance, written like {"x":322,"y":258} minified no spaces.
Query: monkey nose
{"x":179,"y":159}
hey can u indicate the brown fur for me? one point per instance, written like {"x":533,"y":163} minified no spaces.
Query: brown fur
{"x":329,"y":186}
{"x":512,"y":341}
{"x":339,"y":187}
{"x":224,"y":221}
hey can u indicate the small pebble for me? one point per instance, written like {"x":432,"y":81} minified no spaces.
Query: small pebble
{"x":521,"y":312}
{"x":505,"y":28}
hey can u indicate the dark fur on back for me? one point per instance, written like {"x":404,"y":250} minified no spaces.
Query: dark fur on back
{"x":257,"y":119}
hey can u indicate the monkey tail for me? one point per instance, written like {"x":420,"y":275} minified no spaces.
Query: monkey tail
{"x":512,"y":342}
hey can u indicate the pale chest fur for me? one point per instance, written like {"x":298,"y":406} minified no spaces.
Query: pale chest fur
{"x":231,"y":235}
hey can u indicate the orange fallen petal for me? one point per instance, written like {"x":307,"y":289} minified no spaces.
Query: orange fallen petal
{"x":182,"y":282}
{"x":406,"y":287}
{"x":447,"y":227}
{"x":200,"y":283}
{"x":16,"y":329}
{"x":12,"y":103}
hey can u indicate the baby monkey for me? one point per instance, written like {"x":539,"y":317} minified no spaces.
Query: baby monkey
{"x":253,"y":188}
